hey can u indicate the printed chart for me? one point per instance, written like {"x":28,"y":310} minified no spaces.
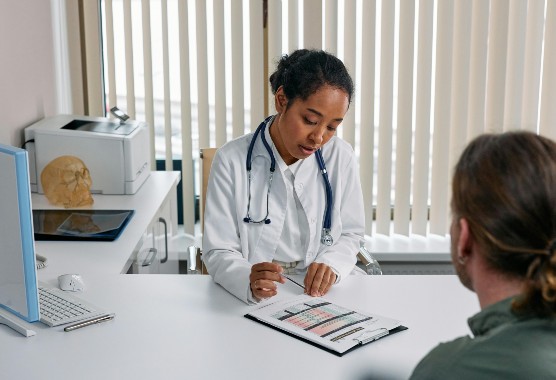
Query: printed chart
{"x":321,"y":318}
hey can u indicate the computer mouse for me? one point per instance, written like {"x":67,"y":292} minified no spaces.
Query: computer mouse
{"x":71,"y":282}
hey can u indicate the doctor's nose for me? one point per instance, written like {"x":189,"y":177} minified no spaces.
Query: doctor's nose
{"x":317,"y":135}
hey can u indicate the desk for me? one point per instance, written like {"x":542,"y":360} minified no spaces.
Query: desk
{"x":158,"y":191}
{"x":187,"y":327}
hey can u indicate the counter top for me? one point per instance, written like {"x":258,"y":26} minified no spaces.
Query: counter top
{"x":106,"y":257}
{"x":188,"y":327}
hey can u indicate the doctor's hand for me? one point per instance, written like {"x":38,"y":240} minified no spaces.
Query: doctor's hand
{"x":263,"y":279}
{"x":318,"y":280}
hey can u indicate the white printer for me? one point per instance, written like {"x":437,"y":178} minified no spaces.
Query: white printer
{"x":116,"y":153}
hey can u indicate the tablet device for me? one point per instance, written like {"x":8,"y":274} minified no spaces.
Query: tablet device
{"x":85,"y":225}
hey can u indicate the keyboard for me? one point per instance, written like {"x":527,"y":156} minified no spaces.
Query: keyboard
{"x":58,"y":307}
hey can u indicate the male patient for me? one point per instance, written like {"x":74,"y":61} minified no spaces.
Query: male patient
{"x":504,"y":249}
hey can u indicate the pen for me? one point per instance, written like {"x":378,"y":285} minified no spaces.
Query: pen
{"x":295,"y":282}
{"x":92,"y":321}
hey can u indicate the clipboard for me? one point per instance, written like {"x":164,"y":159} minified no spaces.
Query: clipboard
{"x":80,"y":225}
{"x":323,"y":324}
{"x":315,"y":344}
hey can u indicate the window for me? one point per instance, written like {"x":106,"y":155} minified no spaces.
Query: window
{"x":430,"y":76}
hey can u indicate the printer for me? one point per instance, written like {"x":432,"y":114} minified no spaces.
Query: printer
{"x":115,"y":152}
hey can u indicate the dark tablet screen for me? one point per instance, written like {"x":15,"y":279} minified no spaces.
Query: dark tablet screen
{"x":103,"y":225}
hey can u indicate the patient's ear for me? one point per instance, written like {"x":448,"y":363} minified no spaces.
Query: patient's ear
{"x":465,"y":242}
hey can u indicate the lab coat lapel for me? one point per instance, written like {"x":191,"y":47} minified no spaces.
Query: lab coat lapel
{"x":311,"y":197}
{"x":269,"y":234}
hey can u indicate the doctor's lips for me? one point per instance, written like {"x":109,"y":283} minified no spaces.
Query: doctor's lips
{"x":307,"y":150}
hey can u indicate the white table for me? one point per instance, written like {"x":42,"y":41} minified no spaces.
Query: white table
{"x":187,"y":327}
{"x":116,"y":256}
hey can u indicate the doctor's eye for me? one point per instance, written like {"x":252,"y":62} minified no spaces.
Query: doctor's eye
{"x":332,"y":127}
{"x":310,"y":122}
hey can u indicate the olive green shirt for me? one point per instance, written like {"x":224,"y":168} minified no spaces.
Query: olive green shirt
{"x":505,"y":346}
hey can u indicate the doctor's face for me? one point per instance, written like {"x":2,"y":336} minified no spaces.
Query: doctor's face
{"x":306,"y":125}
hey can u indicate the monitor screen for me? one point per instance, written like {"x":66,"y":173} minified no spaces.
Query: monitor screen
{"x":18,"y":274}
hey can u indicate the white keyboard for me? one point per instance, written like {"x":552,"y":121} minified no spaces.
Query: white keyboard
{"x":58,"y":307}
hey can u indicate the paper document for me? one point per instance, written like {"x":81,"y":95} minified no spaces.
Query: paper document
{"x":322,"y":323}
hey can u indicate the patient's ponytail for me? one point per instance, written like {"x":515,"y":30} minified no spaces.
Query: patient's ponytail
{"x":504,"y":185}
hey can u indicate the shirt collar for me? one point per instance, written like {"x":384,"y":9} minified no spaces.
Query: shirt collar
{"x":492,"y":316}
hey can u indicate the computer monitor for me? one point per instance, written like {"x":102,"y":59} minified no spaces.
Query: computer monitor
{"x":18,"y":274}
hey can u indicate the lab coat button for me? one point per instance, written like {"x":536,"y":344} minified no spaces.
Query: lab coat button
{"x":299,"y":187}
{"x":313,"y":220}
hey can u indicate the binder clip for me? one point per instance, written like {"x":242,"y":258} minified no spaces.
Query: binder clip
{"x":369,"y":336}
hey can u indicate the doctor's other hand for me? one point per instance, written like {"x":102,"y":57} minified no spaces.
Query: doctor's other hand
{"x":318,"y":280}
{"x":263,"y":279}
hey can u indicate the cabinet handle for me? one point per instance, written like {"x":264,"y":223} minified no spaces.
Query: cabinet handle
{"x":150,"y":257}
{"x":163,"y":221}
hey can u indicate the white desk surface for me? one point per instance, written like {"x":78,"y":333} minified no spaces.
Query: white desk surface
{"x":187,"y":327}
{"x":106,"y":257}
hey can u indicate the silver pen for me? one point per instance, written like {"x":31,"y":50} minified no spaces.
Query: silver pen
{"x":292,"y":280}
{"x":88,"y":322}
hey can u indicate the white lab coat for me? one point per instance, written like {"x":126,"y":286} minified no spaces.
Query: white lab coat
{"x":231,"y":246}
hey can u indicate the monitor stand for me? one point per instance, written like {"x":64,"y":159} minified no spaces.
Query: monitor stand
{"x":13,"y":322}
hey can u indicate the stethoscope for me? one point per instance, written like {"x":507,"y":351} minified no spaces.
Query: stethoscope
{"x":326,"y":238}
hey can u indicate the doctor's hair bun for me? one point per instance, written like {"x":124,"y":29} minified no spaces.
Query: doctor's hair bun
{"x":304,"y":72}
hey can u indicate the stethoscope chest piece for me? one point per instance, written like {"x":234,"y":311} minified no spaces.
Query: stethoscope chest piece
{"x":326,"y":238}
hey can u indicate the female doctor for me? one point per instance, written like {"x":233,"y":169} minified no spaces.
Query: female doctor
{"x":287,"y":198}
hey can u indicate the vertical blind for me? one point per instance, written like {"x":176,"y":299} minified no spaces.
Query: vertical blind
{"x":430,"y":76}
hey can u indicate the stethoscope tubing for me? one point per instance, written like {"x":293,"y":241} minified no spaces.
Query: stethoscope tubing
{"x":327,"y":223}
{"x":260,"y":129}
{"x":326,"y":238}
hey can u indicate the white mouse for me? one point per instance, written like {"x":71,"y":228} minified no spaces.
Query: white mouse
{"x":71,"y":282}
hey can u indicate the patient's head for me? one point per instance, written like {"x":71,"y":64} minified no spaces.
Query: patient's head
{"x":66,"y":182}
{"x":504,"y":185}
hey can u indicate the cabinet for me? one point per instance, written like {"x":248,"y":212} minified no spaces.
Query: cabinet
{"x":162,"y":249}
{"x":152,"y":251}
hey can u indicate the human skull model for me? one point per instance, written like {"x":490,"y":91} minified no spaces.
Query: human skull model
{"x":66,"y":182}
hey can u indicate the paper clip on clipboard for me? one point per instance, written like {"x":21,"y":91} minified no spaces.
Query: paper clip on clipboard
{"x":369,"y":336}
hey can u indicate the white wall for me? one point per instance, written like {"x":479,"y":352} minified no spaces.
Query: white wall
{"x":27,"y":82}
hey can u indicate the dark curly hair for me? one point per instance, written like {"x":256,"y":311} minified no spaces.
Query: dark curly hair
{"x":304,"y":72}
